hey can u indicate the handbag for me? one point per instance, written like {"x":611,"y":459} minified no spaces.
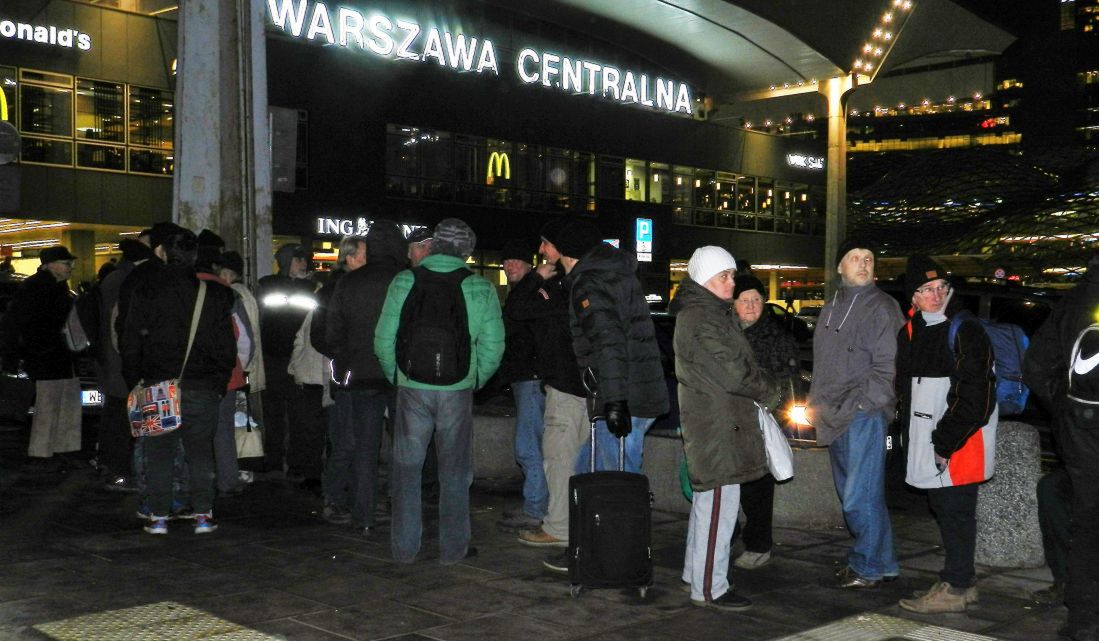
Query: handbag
{"x":155,"y":409}
{"x":780,"y":458}
{"x":248,"y":436}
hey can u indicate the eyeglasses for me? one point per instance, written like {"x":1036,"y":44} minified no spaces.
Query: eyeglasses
{"x":938,"y":289}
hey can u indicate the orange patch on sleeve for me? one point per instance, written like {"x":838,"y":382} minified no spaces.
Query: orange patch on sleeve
{"x":585,"y":303}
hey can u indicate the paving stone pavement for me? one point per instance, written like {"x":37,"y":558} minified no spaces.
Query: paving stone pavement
{"x":69,"y":548}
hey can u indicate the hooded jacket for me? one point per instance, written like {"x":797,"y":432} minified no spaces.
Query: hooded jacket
{"x":355,"y":307}
{"x":486,"y":329}
{"x":720,"y":383}
{"x":547,"y":310}
{"x":32,"y":328}
{"x":520,"y":362}
{"x":949,"y":393}
{"x":854,"y":356}
{"x":612,"y":333}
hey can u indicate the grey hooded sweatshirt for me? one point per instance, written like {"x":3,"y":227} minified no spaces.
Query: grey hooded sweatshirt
{"x":854,"y":350}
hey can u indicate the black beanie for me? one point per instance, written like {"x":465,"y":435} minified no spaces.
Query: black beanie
{"x":920,"y":270}
{"x":853,"y":243}
{"x":515,"y":249}
{"x":745,"y":282}
{"x":551,"y":231}
{"x":207,"y":238}
{"x":134,"y":250}
{"x":578,"y":238}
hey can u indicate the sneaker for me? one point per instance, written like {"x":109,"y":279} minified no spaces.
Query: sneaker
{"x":848,"y":579}
{"x":730,"y":601}
{"x":557,"y":563}
{"x":119,"y":484}
{"x":752,"y":560}
{"x":971,"y":594}
{"x":336,"y":515}
{"x":539,"y":539}
{"x":143,"y":511}
{"x":519,"y":522}
{"x":157,"y":525}
{"x":181,"y":512}
{"x":204,"y":523}
{"x":1053,"y":594}
{"x":939,"y":599}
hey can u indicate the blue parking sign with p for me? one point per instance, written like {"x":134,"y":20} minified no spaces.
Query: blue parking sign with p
{"x":644,"y":230}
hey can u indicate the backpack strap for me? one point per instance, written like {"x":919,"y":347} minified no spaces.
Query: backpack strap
{"x":955,"y":323}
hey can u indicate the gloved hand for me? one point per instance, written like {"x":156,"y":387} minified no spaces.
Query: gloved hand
{"x":618,"y":418}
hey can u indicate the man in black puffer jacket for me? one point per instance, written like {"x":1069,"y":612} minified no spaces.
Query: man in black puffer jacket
{"x":154,"y":349}
{"x":362,"y":392}
{"x":605,"y":298}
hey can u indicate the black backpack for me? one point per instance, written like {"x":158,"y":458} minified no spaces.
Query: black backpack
{"x":433,"y":344}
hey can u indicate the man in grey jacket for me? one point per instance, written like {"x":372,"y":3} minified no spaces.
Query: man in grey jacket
{"x":851,"y":403}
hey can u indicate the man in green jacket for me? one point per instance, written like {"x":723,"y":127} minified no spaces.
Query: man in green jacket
{"x":425,"y":409}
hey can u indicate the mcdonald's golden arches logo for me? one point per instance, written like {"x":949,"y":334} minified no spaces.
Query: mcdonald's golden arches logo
{"x":3,"y":105}
{"x":499,"y":166}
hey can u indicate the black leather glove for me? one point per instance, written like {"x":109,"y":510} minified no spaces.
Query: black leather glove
{"x":618,"y":418}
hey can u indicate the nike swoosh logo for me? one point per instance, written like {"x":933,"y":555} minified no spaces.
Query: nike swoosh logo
{"x":1083,"y":366}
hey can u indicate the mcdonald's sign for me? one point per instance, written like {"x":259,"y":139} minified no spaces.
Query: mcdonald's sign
{"x":499,"y":166}
{"x":3,"y":105}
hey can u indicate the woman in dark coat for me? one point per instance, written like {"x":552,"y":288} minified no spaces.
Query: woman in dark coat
{"x":776,"y":351}
{"x":719,"y":386}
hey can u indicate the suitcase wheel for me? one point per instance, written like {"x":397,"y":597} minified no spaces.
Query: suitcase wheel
{"x":575,"y":590}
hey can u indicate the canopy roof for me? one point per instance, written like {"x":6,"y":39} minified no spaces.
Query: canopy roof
{"x":729,"y":48}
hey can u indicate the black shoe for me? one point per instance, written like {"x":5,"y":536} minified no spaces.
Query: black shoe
{"x":557,"y":563}
{"x":730,"y":601}
{"x":848,"y":579}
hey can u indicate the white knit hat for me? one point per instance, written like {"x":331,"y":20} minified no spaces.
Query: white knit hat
{"x":708,"y":261}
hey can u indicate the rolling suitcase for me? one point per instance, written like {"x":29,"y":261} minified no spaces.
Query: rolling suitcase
{"x":610,"y":528}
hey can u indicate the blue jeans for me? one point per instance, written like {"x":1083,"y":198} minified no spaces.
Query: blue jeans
{"x":607,"y":447}
{"x":858,"y":468}
{"x":355,"y":433}
{"x":448,"y":416}
{"x":530,"y":405}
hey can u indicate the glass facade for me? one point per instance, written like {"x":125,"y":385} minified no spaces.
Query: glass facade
{"x":89,"y":123}
{"x":429,"y":164}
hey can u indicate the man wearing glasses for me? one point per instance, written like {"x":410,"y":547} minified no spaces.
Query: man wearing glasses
{"x":944,"y":368}
{"x":33,"y":343}
{"x":851,"y":402}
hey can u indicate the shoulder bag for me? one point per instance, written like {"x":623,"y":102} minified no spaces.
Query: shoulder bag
{"x":156,"y":409}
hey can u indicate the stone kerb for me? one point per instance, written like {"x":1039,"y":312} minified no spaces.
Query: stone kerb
{"x":1008,"y":534}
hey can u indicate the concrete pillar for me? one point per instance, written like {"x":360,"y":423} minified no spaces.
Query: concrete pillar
{"x":772,"y":286}
{"x":223,"y":169}
{"x":835,"y":91}
{"x":81,"y":242}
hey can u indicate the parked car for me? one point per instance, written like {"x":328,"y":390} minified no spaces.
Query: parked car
{"x":810,"y":316}
{"x":796,"y":326}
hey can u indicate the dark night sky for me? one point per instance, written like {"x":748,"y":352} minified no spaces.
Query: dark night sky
{"x":1018,"y":17}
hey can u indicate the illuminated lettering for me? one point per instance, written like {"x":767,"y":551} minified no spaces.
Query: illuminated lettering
{"x":610,"y":81}
{"x":570,"y":78}
{"x":381,"y":43}
{"x":488,"y":58}
{"x":664,"y":94}
{"x":629,"y":88}
{"x":801,"y":161}
{"x":683,"y":100}
{"x":458,"y":52}
{"x":549,"y":68}
{"x":434,"y":47}
{"x":284,"y":11}
{"x":321,"y":24}
{"x":47,"y":35}
{"x":524,"y":56}
{"x":592,"y":69}
{"x":413,"y":30}
{"x":351,"y":22}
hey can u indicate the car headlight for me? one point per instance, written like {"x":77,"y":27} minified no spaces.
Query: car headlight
{"x":798,"y":415}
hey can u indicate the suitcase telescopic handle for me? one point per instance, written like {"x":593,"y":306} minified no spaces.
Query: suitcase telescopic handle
{"x":621,"y":447}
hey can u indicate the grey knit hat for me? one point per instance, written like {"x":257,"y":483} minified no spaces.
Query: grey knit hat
{"x":454,"y":238}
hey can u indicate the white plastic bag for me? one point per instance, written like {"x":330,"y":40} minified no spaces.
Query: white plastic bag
{"x":780,"y":458}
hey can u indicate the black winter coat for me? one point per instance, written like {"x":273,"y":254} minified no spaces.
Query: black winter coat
{"x":158,"y":324}
{"x":318,"y":327}
{"x":613,"y":334}
{"x":283,"y":306}
{"x":353,"y":313}
{"x":776,"y":351}
{"x":548,"y":310}
{"x":520,"y":361}
{"x":32,"y":328}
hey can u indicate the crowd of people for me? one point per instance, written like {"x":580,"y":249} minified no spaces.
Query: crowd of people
{"x":402,"y":333}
